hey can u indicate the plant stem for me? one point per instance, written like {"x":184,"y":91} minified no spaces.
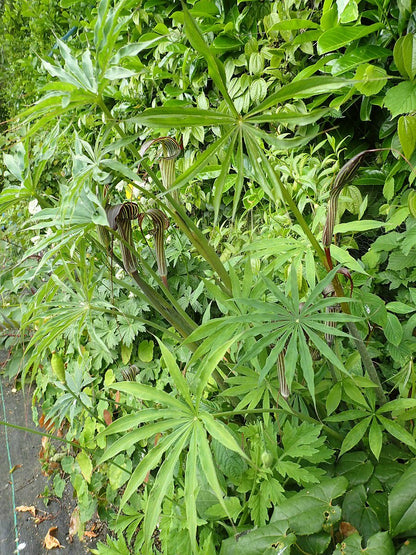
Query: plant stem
{"x":182,"y":219}
{"x":365,"y":357}
{"x":368,"y":363}
{"x":79,"y":400}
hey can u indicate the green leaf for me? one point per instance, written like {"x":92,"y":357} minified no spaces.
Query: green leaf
{"x":222,"y":43}
{"x":145,"y":350}
{"x":131,"y":420}
{"x":402,"y":504}
{"x":207,"y":367}
{"x":346,"y":259}
{"x":162,"y":484}
{"x":399,"y":307}
{"x":220,"y":432}
{"x":358,"y":225}
{"x":260,"y":540}
{"x":393,"y":329}
{"x":293,"y":25}
{"x":85,"y":465}
{"x":307,"y":365}
{"x":216,"y":512}
{"x":380,"y":544}
{"x":302,"y":89}
{"x":220,"y":181}
{"x":371,"y":79}
{"x":215,"y":68}
{"x":176,"y":374}
{"x":355,"y":435}
{"x":340,"y":36}
{"x":305,"y":510}
{"x":397,"y":431}
{"x":151,"y":460}
{"x":116,"y":72}
{"x":147,"y":393}
{"x":397,"y":406}
{"x":375,"y":438}
{"x":407,"y":134}
{"x":388,"y":188}
{"x":333,"y":398}
{"x":401,"y":99}
{"x":404,"y":53}
{"x":230,"y":463}
{"x":358,"y":56}
{"x":167,"y":117}
{"x":291,"y":117}
{"x":130,"y":439}
{"x":207,"y":464}
{"x":125,"y":353}
{"x":191,"y":488}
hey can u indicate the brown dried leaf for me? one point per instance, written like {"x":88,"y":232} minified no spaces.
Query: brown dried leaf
{"x":74,"y":523}
{"x":50,"y":542}
{"x":26,"y":509}
{"x":90,"y":534}
{"x":16,"y":467}
{"x":107,"y":417}
{"x":347,"y":529}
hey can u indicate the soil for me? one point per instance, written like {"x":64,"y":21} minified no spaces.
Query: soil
{"x":28,"y":483}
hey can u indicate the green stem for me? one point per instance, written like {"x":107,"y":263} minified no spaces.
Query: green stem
{"x":158,"y":302}
{"x":368,"y":363}
{"x":365,"y":357}
{"x":79,"y":400}
{"x":166,"y":291}
{"x":182,"y":219}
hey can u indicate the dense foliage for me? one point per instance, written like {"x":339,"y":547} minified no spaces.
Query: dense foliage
{"x":209,"y":224}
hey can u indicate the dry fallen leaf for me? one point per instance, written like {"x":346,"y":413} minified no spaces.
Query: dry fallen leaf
{"x":347,"y":529}
{"x":90,"y":534}
{"x":26,"y":509}
{"x":74,"y":523}
{"x":107,"y":417}
{"x":16,"y":467}
{"x":50,"y":542}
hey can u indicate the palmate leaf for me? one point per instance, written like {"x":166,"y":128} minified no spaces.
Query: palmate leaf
{"x":303,"y":88}
{"x":207,"y":367}
{"x":220,"y":181}
{"x":151,"y":460}
{"x":178,"y":378}
{"x":145,"y":432}
{"x":161,"y":485}
{"x":306,"y":363}
{"x":276,"y":325}
{"x":131,"y":420}
{"x":215,"y":67}
{"x":180,"y":424}
{"x":166,"y":117}
{"x":191,"y":488}
{"x":148,"y":393}
{"x":207,"y":464}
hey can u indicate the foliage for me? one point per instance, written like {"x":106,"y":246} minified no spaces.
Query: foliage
{"x":190,"y":187}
